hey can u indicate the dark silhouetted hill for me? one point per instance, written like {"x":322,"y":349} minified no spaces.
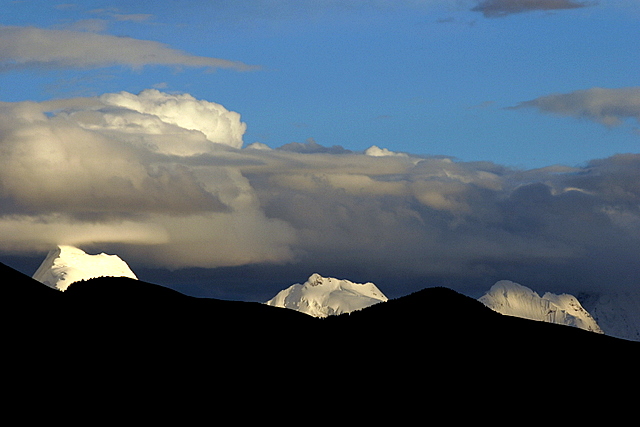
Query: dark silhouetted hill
{"x":152,"y":321}
{"x":451,"y":328}
{"x":18,"y":288}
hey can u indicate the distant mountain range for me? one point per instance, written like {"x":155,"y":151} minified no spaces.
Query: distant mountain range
{"x":122,"y":302}
{"x":613,"y":314}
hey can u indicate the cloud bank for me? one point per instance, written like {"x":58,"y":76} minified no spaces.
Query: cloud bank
{"x":609,"y":107}
{"x":31,"y":47}
{"x":119,"y":168}
{"x":165,"y":177}
{"x":501,"y":8}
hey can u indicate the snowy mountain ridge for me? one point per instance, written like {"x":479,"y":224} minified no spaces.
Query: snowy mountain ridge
{"x":326,"y":296}
{"x":513,"y":299}
{"x":615,"y":314}
{"x":67,"y":264}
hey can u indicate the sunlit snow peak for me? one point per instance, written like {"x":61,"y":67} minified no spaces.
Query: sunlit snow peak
{"x":325,"y":296}
{"x":67,"y":264}
{"x":513,"y":299}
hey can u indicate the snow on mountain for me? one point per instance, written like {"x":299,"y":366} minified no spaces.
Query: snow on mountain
{"x":617,"y":313}
{"x":324,"y":296}
{"x":67,"y":264}
{"x":513,"y":299}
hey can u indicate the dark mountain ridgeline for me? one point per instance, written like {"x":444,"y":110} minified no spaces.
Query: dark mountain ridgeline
{"x":113,"y":331}
{"x":123,"y":305}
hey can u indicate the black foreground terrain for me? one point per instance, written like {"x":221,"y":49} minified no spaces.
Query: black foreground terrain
{"x":131,"y":338}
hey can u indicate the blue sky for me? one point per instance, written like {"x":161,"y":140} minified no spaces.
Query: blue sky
{"x":241,"y":146}
{"x":426,"y":77}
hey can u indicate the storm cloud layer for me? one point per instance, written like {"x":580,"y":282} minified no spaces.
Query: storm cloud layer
{"x":166,"y":178}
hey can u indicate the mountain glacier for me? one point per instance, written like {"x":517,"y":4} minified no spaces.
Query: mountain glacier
{"x":617,"y":312}
{"x":325,"y":296}
{"x":513,"y":299}
{"x":67,"y":264}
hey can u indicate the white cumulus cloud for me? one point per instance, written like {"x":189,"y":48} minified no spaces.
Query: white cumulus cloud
{"x":216,"y":123}
{"x":376,"y":151}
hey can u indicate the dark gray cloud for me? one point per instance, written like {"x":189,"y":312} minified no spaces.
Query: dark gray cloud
{"x":609,"y":107}
{"x":501,"y":8}
{"x":471,"y":221}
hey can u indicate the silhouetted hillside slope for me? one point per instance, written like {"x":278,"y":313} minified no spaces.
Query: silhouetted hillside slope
{"x":22,"y":289}
{"x":448,"y":326}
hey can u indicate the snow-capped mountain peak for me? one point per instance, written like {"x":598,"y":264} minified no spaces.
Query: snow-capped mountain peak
{"x":325,"y":296}
{"x":67,"y":264}
{"x":513,"y":299}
